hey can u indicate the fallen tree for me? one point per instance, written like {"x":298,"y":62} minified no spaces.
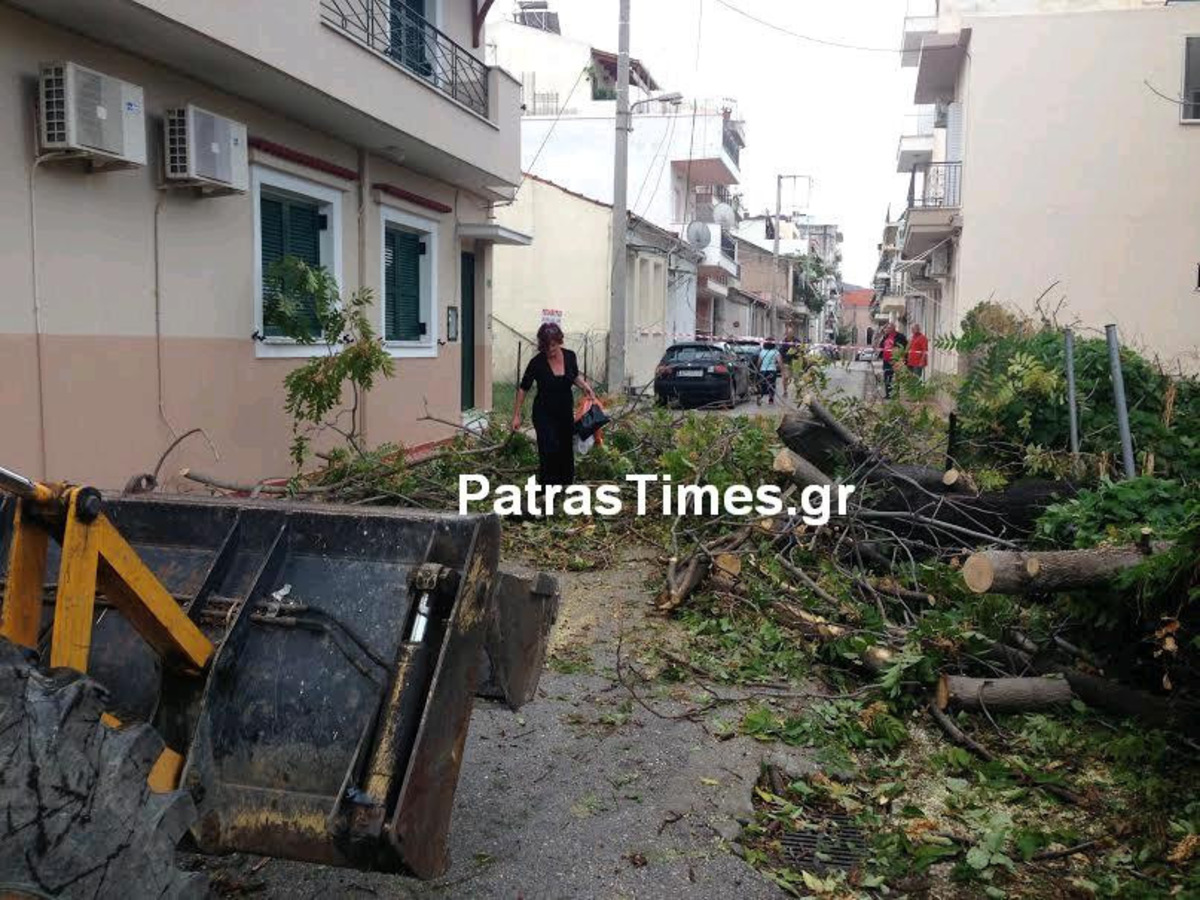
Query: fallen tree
{"x":1021,"y":572}
{"x":1002,"y":694}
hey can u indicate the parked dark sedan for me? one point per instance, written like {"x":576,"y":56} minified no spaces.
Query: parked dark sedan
{"x":701,"y":373}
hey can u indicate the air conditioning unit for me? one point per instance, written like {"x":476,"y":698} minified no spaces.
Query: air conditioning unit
{"x":88,"y":113}
{"x":205,"y":150}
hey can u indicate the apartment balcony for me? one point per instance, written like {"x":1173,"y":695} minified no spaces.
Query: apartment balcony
{"x":934,"y":206}
{"x":920,"y":22}
{"x":916,"y":140}
{"x":714,"y":147}
{"x":397,"y":33}
{"x":369,"y":71}
{"x":939,"y":66}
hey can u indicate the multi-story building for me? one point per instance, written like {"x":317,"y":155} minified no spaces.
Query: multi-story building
{"x":371,"y":140}
{"x":777,"y":285}
{"x":801,"y":234}
{"x":683,"y":155}
{"x":1052,"y":161}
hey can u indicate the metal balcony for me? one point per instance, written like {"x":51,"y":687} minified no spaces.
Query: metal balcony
{"x":935,"y":186}
{"x":391,"y":29}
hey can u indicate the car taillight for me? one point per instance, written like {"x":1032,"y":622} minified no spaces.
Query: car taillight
{"x":720,"y":369}
{"x":663,"y":370}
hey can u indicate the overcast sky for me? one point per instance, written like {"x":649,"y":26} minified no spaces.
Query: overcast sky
{"x":831,"y":113}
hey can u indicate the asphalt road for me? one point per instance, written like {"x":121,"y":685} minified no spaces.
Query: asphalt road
{"x":583,"y":793}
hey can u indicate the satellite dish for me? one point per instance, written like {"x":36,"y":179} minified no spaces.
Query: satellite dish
{"x":699,"y":234}
{"x":724,"y":215}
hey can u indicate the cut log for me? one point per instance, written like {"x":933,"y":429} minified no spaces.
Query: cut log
{"x":1159,"y":712}
{"x":799,"y":470}
{"x":812,"y":440}
{"x":843,"y":434}
{"x":958,"y":482}
{"x":1012,"y":572}
{"x":1002,"y":694}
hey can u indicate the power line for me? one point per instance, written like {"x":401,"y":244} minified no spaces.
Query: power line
{"x":820,"y":41}
{"x":562,"y":109}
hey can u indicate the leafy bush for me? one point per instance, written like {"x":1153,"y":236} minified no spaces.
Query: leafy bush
{"x":305,"y":304}
{"x":1013,"y":406}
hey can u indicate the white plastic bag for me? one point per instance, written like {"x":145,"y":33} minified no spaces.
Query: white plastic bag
{"x":582,"y":447}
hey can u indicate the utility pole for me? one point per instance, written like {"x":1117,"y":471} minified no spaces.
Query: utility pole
{"x":778,"y":214}
{"x":778,"y":217}
{"x":618,"y":321}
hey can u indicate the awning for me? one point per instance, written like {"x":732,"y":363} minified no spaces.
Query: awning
{"x":496,"y":234}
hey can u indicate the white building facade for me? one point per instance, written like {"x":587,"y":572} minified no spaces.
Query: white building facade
{"x":1049,"y":160}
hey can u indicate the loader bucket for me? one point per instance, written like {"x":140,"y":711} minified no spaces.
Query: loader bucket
{"x":330,"y":725}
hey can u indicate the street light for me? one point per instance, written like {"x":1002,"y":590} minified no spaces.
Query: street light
{"x":674,"y":98}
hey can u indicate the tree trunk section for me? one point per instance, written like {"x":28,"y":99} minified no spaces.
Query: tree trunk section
{"x":799,"y":470}
{"x":1002,"y":694}
{"x":1011,"y":572}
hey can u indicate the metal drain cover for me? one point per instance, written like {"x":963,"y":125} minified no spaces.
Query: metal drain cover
{"x":833,"y":842}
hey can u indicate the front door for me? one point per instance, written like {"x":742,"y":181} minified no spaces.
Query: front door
{"x":466,"y":327}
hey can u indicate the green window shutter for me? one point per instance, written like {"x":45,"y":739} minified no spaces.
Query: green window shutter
{"x":402,"y":286}
{"x":288,"y":228}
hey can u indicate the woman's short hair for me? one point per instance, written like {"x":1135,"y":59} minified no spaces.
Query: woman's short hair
{"x":548,"y":334}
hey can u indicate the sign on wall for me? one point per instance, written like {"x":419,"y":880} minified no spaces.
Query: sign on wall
{"x":552,"y":315}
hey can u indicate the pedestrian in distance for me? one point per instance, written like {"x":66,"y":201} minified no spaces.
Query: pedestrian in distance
{"x":788,"y":352}
{"x":769,"y":361}
{"x":555,"y":371}
{"x":890,"y":344}
{"x":918,"y":352}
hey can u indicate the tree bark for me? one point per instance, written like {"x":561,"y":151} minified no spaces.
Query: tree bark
{"x":799,"y":470}
{"x":1002,"y":694}
{"x":812,"y":440}
{"x":1014,"y":572}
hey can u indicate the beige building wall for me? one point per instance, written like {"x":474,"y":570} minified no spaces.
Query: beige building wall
{"x":1078,"y":179}
{"x":128,"y":361}
{"x":570,"y":272}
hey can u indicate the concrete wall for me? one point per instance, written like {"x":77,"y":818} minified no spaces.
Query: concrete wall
{"x":287,"y":57}
{"x":105,"y":415}
{"x":570,"y":272}
{"x":1077,"y":176}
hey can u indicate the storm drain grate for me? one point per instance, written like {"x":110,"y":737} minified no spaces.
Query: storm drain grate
{"x":833,"y":842}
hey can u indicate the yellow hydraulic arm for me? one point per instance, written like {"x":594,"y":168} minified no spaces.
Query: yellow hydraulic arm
{"x":94,"y":556}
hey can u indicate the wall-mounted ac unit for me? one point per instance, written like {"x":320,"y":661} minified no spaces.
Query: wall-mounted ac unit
{"x":205,"y":150}
{"x":91,"y":114}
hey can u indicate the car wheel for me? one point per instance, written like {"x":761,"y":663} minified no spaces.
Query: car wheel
{"x":660,"y":399}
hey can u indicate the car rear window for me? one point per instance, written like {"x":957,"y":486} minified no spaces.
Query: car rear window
{"x":693,"y":354}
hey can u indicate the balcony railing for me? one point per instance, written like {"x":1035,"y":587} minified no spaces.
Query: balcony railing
{"x":734,"y":149}
{"x":393,"y":30}
{"x":935,"y":186}
{"x":728,"y":246}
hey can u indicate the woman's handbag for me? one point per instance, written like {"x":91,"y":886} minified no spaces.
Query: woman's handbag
{"x":590,"y":420}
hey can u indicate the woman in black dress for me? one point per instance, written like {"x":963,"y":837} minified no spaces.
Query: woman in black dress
{"x":555,"y":370}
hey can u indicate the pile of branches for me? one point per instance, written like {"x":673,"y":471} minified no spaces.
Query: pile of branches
{"x":904,"y":522}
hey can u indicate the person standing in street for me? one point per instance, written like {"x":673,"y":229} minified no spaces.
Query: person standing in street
{"x":890,"y":346}
{"x":788,"y":351}
{"x":918,"y":352}
{"x":769,"y":361}
{"x":555,"y":371}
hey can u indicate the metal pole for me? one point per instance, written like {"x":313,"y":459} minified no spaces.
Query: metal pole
{"x":617,"y":327}
{"x":775,"y":280}
{"x":1072,"y":410}
{"x":1114,"y":362}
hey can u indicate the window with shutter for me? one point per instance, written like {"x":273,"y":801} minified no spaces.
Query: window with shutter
{"x":289,"y":227}
{"x":402,"y":286}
